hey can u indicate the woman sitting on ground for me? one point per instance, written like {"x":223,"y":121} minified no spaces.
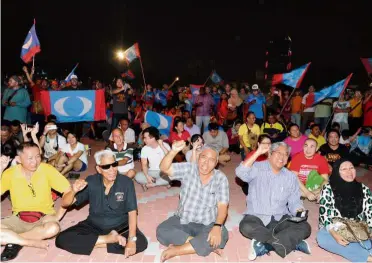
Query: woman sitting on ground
{"x":51,"y":142}
{"x":196,"y":146}
{"x":295,"y":139}
{"x":344,"y":197}
{"x":73,"y":156}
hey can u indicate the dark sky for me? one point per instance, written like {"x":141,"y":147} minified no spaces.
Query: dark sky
{"x":188,"y":40}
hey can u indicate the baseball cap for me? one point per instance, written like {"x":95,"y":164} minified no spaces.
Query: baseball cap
{"x":74,"y":77}
{"x":255,"y":87}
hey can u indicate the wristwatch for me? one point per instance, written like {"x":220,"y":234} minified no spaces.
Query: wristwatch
{"x":220,"y":225}
{"x":133,"y":239}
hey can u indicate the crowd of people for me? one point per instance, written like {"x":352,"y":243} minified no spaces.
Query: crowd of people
{"x":290,"y":150}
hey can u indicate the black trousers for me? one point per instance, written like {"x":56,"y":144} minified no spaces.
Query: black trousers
{"x":283,"y":238}
{"x":81,"y":239}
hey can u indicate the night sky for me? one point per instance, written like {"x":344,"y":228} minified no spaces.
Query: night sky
{"x":189,"y":40}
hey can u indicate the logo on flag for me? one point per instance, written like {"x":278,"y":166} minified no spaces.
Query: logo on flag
{"x":69,"y":76}
{"x":162,"y":122}
{"x":128,"y":74}
{"x":31,"y":46}
{"x":216,"y":78}
{"x":74,"y":106}
{"x":161,"y":97}
{"x":333,"y":91}
{"x":132,"y":53}
{"x":367,"y":62}
{"x":293,"y":78}
{"x":195,"y":91}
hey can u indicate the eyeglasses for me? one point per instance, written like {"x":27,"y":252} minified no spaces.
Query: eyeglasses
{"x":32,"y":190}
{"x":345,"y":169}
{"x":108,"y":166}
{"x":284,"y":155}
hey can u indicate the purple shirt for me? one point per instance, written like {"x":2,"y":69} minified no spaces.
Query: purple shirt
{"x":296,"y":146}
{"x":204,"y":109}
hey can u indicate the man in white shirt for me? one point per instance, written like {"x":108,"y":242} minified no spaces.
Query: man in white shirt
{"x":151,"y":155}
{"x":341,"y":109}
{"x":191,"y":127}
{"x":129,"y":135}
{"x":219,"y":141}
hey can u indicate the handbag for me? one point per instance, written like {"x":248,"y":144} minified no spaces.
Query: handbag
{"x":30,"y":216}
{"x":353,"y":230}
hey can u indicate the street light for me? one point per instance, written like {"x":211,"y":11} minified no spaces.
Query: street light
{"x":120,"y":54}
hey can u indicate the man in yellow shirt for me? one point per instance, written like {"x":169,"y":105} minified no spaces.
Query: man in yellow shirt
{"x":316,"y":135}
{"x":34,"y":218}
{"x":248,"y":135}
{"x":356,"y":112}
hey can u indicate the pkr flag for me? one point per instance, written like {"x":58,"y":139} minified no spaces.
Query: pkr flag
{"x":293,"y":78}
{"x":31,"y":46}
{"x":132,"y":53}
{"x":367,"y":62}
{"x":162,"y":122}
{"x":216,"y":78}
{"x":75,"y":106}
{"x":128,"y":74}
{"x":333,"y":91}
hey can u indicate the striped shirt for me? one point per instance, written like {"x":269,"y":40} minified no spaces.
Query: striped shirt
{"x":198,"y":202}
{"x":120,"y":155}
{"x":270,"y":194}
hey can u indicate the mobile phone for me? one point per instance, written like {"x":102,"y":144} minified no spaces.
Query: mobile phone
{"x":300,"y":216}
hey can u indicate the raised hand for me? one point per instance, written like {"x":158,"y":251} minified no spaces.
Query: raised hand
{"x":4,"y":161}
{"x":79,"y":185}
{"x":25,"y":129}
{"x":25,"y":70}
{"x":35,"y":129}
{"x":177,"y":146}
{"x":263,"y":148}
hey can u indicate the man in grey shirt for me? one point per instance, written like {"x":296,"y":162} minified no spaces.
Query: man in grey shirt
{"x":197,"y":226}
{"x":219,"y":141}
{"x":274,"y":196}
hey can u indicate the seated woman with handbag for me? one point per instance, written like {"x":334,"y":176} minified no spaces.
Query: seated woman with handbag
{"x":345,"y":215}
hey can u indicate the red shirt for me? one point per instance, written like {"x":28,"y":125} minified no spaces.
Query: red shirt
{"x":174,"y":136}
{"x":368,"y":113}
{"x":260,"y":158}
{"x":304,"y":166}
{"x":36,"y":98}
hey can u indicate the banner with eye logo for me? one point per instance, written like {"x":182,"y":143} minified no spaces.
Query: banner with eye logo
{"x":75,"y":106}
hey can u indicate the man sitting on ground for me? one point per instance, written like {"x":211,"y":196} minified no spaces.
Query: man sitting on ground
{"x":112,"y":215}
{"x":34,"y":218}
{"x":197,"y":227}
{"x":307,"y":162}
{"x":123,"y":153}
{"x":274,"y":195}
{"x":218,"y":140}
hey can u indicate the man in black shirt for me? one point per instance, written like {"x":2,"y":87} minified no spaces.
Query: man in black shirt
{"x":112,"y":212}
{"x":333,"y":150}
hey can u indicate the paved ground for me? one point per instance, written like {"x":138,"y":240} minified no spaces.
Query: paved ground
{"x":158,"y":204}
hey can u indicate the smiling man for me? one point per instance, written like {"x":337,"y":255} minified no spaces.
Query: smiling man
{"x":274,"y":196}
{"x":197,"y":226}
{"x":112,"y":219}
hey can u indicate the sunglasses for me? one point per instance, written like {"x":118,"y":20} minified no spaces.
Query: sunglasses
{"x":108,"y":166}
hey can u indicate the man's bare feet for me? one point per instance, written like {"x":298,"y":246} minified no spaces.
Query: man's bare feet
{"x":150,"y":185}
{"x":169,"y":253}
{"x":113,"y":237}
{"x":43,"y":244}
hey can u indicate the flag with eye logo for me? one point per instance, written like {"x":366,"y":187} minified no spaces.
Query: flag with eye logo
{"x":75,"y":106}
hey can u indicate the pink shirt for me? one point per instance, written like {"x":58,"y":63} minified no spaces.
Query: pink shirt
{"x":207,"y":101}
{"x":297,"y":146}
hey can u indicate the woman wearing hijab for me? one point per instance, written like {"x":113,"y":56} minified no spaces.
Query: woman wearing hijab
{"x":344,"y":197}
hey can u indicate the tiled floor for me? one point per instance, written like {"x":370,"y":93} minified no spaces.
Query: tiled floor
{"x":156,"y":205}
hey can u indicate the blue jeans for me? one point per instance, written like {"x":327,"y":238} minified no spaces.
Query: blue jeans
{"x":296,"y":118}
{"x":352,"y":252}
{"x":203,"y":120}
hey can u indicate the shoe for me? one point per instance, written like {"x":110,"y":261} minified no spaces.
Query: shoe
{"x":10,"y":252}
{"x":304,"y":247}
{"x":257,"y":249}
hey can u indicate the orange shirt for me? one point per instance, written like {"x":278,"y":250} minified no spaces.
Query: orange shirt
{"x":357,"y":111}
{"x":296,"y":104}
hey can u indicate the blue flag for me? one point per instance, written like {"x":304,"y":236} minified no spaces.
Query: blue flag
{"x":333,"y":91}
{"x":216,"y":78}
{"x":31,"y":46}
{"x":161,"y":97}
{"x":162,"y":122}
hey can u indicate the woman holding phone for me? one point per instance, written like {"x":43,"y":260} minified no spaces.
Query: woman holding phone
{"x":51,"y":142}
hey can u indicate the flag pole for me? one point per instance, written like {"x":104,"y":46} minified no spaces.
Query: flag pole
{"x":285,"y":104}
{"x":143,"y":74}
{"x":207,"y":80}
{"x":33,"y":61}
